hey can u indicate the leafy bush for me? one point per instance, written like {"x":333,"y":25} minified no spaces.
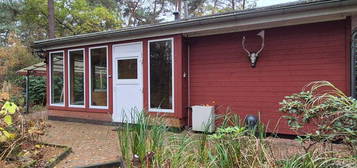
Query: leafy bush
{"x":327,"y":109}
{"x":15,"y":130}
{"x":229,"y":131}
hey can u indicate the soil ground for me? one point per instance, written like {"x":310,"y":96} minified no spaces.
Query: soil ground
{"x":42,"y":155}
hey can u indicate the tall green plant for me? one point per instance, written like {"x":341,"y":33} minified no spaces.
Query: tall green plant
{"x":157,"y":138}
{"x":141,"y":141}
{"x":123,"y":133}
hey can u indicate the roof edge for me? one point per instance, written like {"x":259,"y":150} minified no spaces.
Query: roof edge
{"x":210,"y":19}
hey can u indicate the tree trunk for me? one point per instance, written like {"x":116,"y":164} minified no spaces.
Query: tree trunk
{"x":178,"y":6}
{"x":51,"y":19}
{"x":233,"y":5}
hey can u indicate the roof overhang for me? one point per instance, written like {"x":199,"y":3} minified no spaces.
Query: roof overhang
{"x":38,"y":69}
{"x":253,"y":19}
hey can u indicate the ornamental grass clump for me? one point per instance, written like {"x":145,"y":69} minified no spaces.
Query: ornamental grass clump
{"x":146,"y":144}
{"x":139,"y":142}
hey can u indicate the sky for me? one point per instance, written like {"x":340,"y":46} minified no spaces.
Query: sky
{"x":261,"y":3}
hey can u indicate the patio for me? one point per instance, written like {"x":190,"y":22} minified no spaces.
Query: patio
{"x":90,"y":143}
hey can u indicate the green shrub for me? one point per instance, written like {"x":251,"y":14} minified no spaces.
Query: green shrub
{"x":37,"y":89}
{"x":323,"y":106}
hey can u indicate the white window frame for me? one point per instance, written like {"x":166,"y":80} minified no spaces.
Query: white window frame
{"x":50,"y":78}
{"x":172,"y":78}
{"x":69,"y":77}
{"x":90,"y":77}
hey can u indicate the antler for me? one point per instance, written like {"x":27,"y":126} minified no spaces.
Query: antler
{"x":262,"y":35}
{"x":243,"y":45}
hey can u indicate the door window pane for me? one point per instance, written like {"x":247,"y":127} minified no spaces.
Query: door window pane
{"x":76,"y":71}
{"x":127,"y":69}
{"x":98,"y":67}
{"x":57,"y":84}
{"x":161,"y":96}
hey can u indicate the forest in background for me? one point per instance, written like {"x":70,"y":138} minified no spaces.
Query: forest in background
{"x":25,"y":21}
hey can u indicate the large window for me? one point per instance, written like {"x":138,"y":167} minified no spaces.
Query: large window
{"x":57,"y":80}
{"x":98,"y":77}
{"x":161,"y":75}
{"x":76,"y":77}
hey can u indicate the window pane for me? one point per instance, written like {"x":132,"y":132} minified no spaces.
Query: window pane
{"x":161,"y":74}
{"x":98,"y":76}
{"x":127,"y":69}
{"x":76,"y":65}
{"x":57,"y":85}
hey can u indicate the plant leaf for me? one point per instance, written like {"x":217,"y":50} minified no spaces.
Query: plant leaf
{"x":8,"y":120}
{"x":10,"y":107}
{"x":3,"y":138}
{"x":3,"y":112}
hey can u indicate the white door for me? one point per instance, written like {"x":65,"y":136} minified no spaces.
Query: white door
{"x":127,"y":82}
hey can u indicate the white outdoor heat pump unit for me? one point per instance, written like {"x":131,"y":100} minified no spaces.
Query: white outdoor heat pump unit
{"x":203,"y":118}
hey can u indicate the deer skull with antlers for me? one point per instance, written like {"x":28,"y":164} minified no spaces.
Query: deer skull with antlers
{"x":253,"y":56}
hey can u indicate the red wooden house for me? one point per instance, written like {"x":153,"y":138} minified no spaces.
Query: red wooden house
{"x":166,"y":68}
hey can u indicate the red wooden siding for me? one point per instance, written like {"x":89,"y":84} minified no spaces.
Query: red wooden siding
{"x":184,"y":77}
{"x":293,"y":56}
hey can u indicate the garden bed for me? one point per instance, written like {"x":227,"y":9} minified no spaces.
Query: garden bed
{"x":37,"y":156}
